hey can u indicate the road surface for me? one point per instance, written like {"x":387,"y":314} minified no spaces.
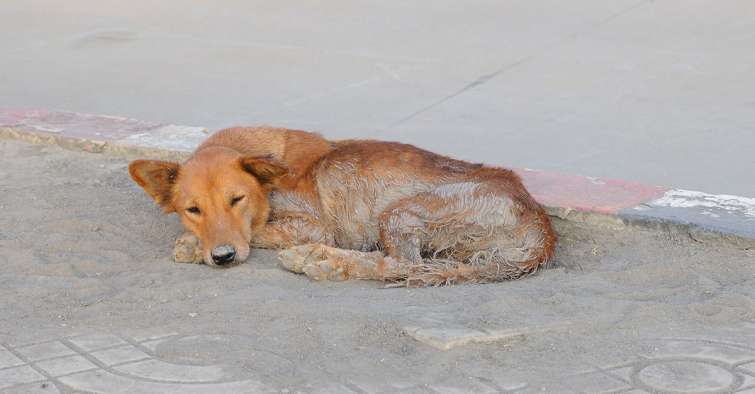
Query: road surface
{"x":658,"y":91}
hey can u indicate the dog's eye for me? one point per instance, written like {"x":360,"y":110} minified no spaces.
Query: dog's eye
{"x":194,"y":210}
{"x":236,"y":200}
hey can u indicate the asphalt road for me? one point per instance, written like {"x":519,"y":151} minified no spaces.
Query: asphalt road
{"x":655,"y":91}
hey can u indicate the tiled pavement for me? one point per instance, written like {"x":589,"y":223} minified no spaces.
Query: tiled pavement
{"x":676,"y":365}
{"x":104,"y":363}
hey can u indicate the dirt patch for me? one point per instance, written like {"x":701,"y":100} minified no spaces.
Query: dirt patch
{"x":83,"y":249}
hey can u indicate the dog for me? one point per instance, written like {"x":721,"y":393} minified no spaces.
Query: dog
{"x":349,"y":209}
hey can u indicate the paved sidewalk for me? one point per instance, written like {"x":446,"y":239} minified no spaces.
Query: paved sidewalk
{"x":103,"y":363}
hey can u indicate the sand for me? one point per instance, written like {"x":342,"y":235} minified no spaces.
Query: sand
{"x":83,"y":249}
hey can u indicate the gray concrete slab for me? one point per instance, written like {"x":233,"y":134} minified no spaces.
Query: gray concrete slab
{"x":653,"y":91}
{"x":699,"y":211}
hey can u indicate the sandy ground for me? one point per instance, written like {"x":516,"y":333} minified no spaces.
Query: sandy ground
{"x":84,"y":250}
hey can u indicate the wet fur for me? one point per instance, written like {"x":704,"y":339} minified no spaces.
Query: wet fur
{"x":376,"y":210}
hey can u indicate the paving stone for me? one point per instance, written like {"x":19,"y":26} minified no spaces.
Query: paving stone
{"x":7,"y":359}
{"x":750,"y":367}
{"x":27,"y":339}
{"x":594,"y":382}
{"x":443,"y":389}
{"x":686,"y":376}
{"x":45,"y":387}
{"x":514,"y":386}
{"x":532,"y":390}
{"x":448,"y":338}
{"x":335,"y":388}
{"x":98,"y":341}
{"x":13,"y":376}
{"x":161,"y":370}
{"x":45,"y":350}
{"x":445,"y":338}
{"x":703,"y":349}
{"x":152,"y":334}
{"x":624,"y":373}
{"x":747,"y":381}
{"x":152,"y":345}
{"x":491,"y":384}
{"x":119,"y":355}
{"x":375,"y":384}
{"x":469,"y":385}
{"x":105,"y":382}
{"x":65,"y":365}
{"x":747,"y":385}
{"x":414,"y":389}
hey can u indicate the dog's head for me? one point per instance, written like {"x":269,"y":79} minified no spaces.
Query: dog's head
{"x":220,"y":196}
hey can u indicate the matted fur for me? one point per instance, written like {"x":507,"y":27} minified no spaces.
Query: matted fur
{"x":353,"y":209}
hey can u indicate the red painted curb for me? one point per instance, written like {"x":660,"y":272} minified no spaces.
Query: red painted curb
{"x":606,"y":196}
{"x":74,"y":124}
{"x":588,"y":194}
{"x":628,"y":201}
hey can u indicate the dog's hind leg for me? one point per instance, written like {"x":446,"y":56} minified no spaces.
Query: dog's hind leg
{"x":467,"y":232}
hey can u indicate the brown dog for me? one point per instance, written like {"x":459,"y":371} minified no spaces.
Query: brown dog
{"x":399,"y":213}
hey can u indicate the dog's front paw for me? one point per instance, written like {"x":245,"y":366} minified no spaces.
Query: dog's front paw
{"x":325,"y":270}
{"x":318,"y":262}
{"x":188,"y":249}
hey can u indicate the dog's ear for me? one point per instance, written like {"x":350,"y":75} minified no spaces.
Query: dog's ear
{"x":157,"y":179}
{"x":266,"y":169}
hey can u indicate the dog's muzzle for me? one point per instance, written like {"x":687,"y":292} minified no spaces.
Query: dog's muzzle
{"x":223,"y":254}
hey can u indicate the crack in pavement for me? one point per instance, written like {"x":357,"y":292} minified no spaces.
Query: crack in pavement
{"x":487,"y":77}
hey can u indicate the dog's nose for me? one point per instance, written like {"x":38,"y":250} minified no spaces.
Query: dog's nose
{"x":223,"y":254}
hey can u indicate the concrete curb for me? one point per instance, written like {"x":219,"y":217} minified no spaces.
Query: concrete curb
{"x":573,"y":197}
